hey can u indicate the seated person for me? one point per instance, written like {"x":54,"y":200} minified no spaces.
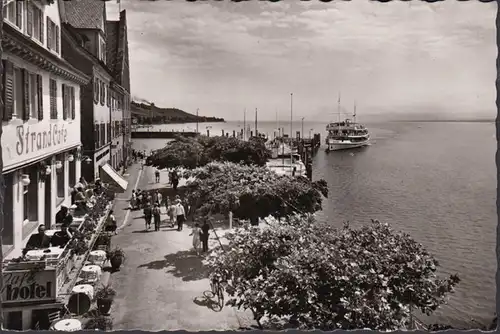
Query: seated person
{"x":61,"y":214}
{"x":80,"y":200}
{"x":81,"y":183}
{"x":37,"y":241}
{"x":98,"y":187}
{"x":62,"y":237}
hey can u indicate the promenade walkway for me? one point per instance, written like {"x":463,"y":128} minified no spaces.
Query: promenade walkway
{"x":161,"y":284}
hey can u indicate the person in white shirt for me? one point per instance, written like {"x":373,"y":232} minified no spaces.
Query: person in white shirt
{"x":180,"y":214}
{"x":159,"y":198}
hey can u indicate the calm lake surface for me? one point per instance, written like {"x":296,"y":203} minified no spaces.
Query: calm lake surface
{"x":435,"y":181}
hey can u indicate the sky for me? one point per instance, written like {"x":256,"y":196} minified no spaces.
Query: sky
{"x":396,"y":58}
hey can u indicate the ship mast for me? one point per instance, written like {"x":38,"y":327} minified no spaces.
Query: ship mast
{"x":338,"y":110}
{"x":354,"y":116}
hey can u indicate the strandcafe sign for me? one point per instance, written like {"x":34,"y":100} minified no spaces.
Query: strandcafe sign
{"x":32,"y":141}
{"x":25,"y":142}
{"x":28,"y":286}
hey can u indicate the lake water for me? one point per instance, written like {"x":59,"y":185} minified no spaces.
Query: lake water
{"x":435,"y":181}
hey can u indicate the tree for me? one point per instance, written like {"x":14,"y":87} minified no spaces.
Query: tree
{"x":315,"y":276}
{"x":252,"y":192}
{"x":194,"y":152}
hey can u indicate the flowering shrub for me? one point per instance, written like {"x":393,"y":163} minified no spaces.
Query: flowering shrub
{"x":193,"y":152}
{"x":251,"y":191}
{"x":314,"y":276}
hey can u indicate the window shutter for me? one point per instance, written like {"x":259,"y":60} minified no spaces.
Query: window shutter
{"x":8,"y":90}
{"x":108,"y":98}
{"x":42,"y":27}
{"x":39,"y":83}
{"x":19,"y":14}
{"x":73,"y":115}
{"x":65,"y":101}
{"x":49,"y":33}
{"x":57,"y":38}
{"x":29,"y":20}
{"x":103,"y":86}
{"x":26,"y":95}
{"x":96,"y":90}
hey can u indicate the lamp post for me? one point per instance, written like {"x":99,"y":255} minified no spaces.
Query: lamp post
{"x":302,"y":130}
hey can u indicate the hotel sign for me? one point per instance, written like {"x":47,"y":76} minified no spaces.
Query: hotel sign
{"x":26,"y":142}
{"x":23,"y":286}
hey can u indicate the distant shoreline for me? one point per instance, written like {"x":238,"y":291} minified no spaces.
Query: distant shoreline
{"x":446,"y":121}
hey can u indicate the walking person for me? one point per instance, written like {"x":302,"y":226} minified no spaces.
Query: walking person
{"x":205,"y":233}
{"x":180,"y":214}
{"x":157,"y":176}
{"x":196,"y":238}
{"x":175,"y":179}
{"x":157,"y":216}
{"x":159,"y":198}
{"x":148,"y":215}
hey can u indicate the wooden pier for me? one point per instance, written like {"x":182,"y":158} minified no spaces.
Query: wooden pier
{"x":161,"y":134}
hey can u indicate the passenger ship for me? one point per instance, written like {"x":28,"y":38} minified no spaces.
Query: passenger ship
{"x":346,"y":134}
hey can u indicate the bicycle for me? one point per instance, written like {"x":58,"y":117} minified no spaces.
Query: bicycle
{"x":217,"y":290}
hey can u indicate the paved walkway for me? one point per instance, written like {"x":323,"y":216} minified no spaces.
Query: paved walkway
{"x":161,"y":284}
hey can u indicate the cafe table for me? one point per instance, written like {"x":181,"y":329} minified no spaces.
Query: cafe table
{"x":49,"y":253}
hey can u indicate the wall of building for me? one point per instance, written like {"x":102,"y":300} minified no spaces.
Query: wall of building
{"x":21,"y":228}
{"x":30,"y":139}
{"x":49,"y":11}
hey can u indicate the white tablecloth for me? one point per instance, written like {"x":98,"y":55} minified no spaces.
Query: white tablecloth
{"x":37,"y":254}
{"x":68,"y":325}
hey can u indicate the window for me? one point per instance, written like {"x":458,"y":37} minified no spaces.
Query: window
{"x":18,"y":92}
{"x":68,"y":102}
{"x":14,"y":13}
{"x":34,"y":22}
{"x":52,"y":36}
{"x":53,"y":99}
{"x":108,"y":132}
{"x":33,"y":96}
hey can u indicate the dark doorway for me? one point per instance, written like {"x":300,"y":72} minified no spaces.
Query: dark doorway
{"x":48,"y":202}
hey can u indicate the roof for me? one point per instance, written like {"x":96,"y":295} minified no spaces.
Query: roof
{"x":83,"y":14}
{"x":117,"y":50}
{"x":75,"y":38}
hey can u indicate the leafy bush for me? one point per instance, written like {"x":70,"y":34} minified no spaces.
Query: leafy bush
{"x":315,"y":276}
{"x":194,"y":152}
{"x":252,"y":192}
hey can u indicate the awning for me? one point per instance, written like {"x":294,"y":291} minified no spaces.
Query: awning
{"x":111,"y":176}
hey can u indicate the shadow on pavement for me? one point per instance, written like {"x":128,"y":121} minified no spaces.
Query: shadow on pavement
{"x":208,"y":303}
{"x":143,"y":231}
{"x":184,"y":264}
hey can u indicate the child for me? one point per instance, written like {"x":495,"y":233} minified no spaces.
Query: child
{"x":196,"y":238}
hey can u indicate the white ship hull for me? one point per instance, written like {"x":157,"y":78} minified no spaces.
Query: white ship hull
{"x":337,"y":145}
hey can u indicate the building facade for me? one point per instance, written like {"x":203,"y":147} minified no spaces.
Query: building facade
{"x":41,"y":121}
{"x":118,"y":63}
{"x":84,"y":46}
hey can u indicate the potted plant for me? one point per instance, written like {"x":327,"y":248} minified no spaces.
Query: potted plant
{"x":99,"y":322}
{"x":103,"y":239}
{"x":104,"y":298}
{"x":116,"y":257}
